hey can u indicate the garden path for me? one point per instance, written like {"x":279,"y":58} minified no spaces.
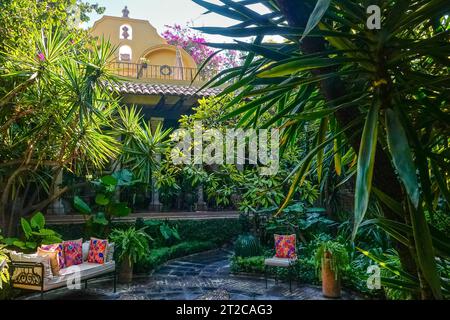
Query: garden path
{"x":200,"y":276}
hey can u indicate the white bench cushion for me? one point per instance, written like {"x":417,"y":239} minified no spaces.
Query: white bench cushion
{"x":87,"y":270}
{"x":279,"y":262}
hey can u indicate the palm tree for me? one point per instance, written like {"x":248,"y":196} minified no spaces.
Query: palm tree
{"x":383,"y":93}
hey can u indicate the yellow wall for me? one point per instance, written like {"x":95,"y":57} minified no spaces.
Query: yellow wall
{"x":145,"y":42}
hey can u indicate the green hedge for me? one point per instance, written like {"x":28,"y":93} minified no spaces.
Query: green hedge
{"x":160,"y":255}
{"x":304,"y":269}
{"x":219,"y":231}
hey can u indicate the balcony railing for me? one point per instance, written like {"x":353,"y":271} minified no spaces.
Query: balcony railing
{"x":159,"y":72}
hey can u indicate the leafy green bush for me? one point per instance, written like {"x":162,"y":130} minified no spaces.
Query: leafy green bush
{"x":160,"y":255}
{"x":34,"y":234}
{"x":99,"y":218}
{"x":131,"y":244}
{"x":337,"y":255}
{"x":247,"y":264}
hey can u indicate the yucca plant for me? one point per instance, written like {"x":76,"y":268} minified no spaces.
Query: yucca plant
{"x":383,"y":94}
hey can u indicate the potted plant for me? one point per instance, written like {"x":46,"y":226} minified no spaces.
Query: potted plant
{"x":331,"y":260}
{"x":132,"y":245}
{"x":144,"y":63}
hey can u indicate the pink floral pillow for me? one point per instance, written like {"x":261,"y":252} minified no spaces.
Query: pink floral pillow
{"x":97,"y":251}
{"x":285,"y":246}
{"x":59,"y":248}
{"x":73,"y":252}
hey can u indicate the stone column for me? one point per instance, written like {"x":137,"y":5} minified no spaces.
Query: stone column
{"x":57,"y":206}
{"x":201,"y":204}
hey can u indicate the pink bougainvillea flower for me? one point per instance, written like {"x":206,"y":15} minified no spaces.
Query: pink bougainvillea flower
{"x":195,"y":44}
{"x":41,"y":56}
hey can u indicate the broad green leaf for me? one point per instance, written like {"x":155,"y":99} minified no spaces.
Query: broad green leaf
{"x":51,"y":239}
{"x":316,"y":15}
{"x":120,"y":209}
{"x":401,"y":155}
{"x":292,"y":67}
{"x":26,"y":227}
{"x":392,"y":204}
{"x":30,"y":245}
{"x":44,"y":232}
{"x":38,"y":221}
{"x":9,"y":241}
{"x":337,"y":156}
{"x":384,"y":264}
{"x":101,"y":199}
{"x":366,"y":159}
{"x":100,"y":218}
{"x":424,"y":250}
{"x":81,"y":206}
{"x":109,"y":180}
{"x":320,"y":138}
{"x":19,"y":244}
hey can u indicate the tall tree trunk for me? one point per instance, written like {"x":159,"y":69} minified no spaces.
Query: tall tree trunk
{"x":297,"y":13}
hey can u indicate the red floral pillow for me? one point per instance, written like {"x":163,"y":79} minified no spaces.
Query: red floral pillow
{"x":59,"y":248}
{"x":73,"y":252}
{"x":97,"y":251}
{"x":285,"y":246}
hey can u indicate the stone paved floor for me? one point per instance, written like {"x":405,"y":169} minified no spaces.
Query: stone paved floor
{"x":193,"y":277}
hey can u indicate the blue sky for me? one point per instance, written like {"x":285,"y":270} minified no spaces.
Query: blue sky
{"x":163,"y":12}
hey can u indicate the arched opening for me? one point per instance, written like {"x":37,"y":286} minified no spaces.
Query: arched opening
{"x":125,"y":53}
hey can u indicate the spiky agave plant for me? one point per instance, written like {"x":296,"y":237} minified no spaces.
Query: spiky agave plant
{"x":381,"y":93}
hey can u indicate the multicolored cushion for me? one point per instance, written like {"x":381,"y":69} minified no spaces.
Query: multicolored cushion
{"x":73,"y":252}
{"x":285,"y":246}
{"x":59,"y":248}
{"x":53,"y":257}
{"x":97,"y":251}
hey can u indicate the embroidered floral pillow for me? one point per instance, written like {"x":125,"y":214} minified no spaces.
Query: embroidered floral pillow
{"x":97,"y":251}
{"x":58,"y":247}
{"x":73,"y":252}
{"x":285,"y":246}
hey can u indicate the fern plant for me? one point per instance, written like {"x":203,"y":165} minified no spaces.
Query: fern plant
{"x":131,"y":244}
{"x":337,"y":255}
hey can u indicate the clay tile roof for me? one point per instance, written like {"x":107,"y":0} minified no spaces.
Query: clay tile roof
{"x":161,"y":89}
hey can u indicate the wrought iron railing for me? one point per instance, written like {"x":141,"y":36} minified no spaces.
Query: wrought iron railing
{"x":161,"y":72}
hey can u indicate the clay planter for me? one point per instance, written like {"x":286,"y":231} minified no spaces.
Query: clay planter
{"x":331,"y":288}
{"x":126,"y":271}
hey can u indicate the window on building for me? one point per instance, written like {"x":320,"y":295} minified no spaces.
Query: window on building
{"x":126,"y":32}
{"x":125,"y":53}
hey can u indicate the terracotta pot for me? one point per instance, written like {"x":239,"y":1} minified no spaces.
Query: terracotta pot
{"x":331,"y":287}
{"x":126,"y":271}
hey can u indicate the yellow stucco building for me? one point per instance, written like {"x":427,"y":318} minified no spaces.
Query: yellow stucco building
{"x":159,"y":77}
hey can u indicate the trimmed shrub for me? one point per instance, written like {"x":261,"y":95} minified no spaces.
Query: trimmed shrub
{"x":159,"y":256}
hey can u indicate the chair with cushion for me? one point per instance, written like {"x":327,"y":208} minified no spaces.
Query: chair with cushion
{"x":285,"y":256}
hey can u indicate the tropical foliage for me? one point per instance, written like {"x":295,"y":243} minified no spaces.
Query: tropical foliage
{"x":34,"y":234}
{"x":378,"y":95}
{"x":131,"y":244}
